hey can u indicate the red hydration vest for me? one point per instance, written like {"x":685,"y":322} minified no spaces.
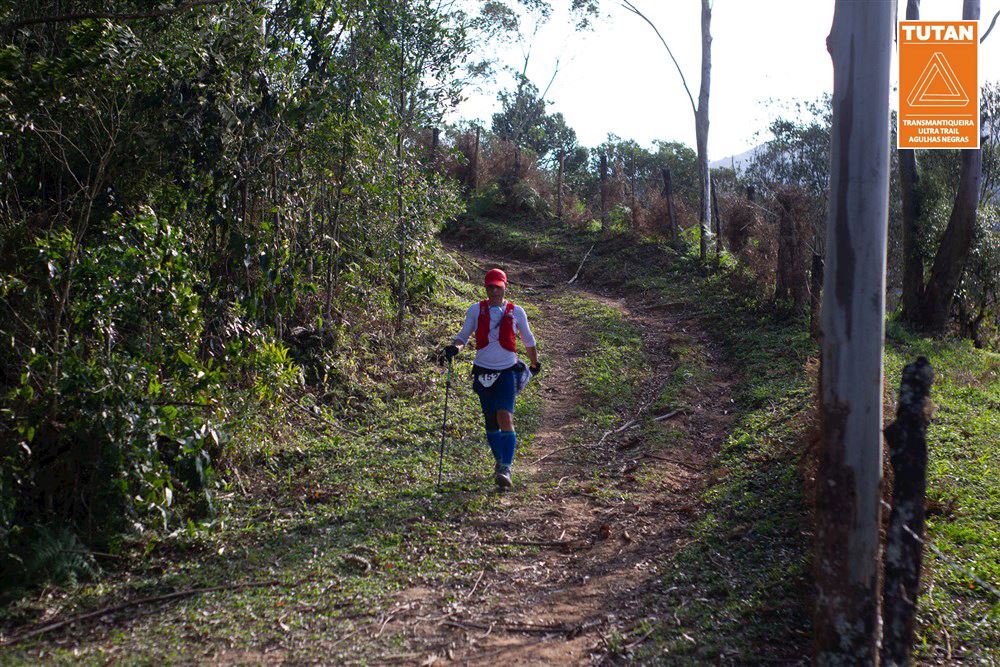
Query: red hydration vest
{"x":506,"y":327}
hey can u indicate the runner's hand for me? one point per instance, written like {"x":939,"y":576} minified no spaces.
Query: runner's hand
{"x":536,"y":369}
{"x":450,"y":351}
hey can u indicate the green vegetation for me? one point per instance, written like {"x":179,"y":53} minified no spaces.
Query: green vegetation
{"x":205,"y":210}
{"x":305,"y":513}
{"x":614,"y":368}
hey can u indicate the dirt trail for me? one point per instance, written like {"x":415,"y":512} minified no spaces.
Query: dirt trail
{"x":601,"y":543}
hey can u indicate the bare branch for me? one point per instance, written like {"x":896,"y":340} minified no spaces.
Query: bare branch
{"x":551,"y":81}
{"x":990,"y":29}
{"x":627,"y":4}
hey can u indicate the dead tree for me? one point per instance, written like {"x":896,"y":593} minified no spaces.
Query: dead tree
{"x":849,"y":470}
{"x":790,"y":282}
{"x":907,"y":440}
{"x":699,"y":110}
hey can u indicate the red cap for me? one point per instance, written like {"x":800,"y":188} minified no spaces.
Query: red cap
{"x":496,"y":277}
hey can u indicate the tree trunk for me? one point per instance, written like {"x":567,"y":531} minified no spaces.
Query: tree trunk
{"x":559,"y":187}
{"x":956,"y":244}
{"x":849,"y":473}
{"x":913,"y":261}
{"x":435,"y":138}
{"x":909,"y":185}
{"x":957,"y":241}
{"x":907,"y":439}
{"x":604,"y":192}
{"x":701,"y":128}
{"x":400,"y":217}
{"x":668,"y":193}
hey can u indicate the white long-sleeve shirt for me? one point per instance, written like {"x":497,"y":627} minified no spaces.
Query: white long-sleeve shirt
{"x":494,"y":356}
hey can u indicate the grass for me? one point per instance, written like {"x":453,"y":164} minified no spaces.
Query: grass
{"x":957,"y":615}
{"x":315,"y":501}
{"x":615,"y":366}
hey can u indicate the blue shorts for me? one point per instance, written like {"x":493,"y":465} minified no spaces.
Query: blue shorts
{"x":499,"y":395}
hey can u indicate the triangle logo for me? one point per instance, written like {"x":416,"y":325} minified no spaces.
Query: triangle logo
{"x":937,"y":86}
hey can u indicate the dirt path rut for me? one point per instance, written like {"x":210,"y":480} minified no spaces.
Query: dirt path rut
{"x":581,"y":542}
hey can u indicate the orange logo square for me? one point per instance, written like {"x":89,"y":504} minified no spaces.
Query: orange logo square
{"x":938,"y":84}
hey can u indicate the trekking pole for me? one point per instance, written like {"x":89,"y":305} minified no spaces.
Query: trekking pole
{"x":444,"y":423}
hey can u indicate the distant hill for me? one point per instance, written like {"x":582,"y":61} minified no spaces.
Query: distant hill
{"x":738,"y":162}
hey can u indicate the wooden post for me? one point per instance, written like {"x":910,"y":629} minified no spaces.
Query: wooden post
{"x":718,"y":227}
{"x":633,"y":200}
{"x":604,"y":192}
{"x":559,"y":186}
{"x":668,"y":193}
{"x":475,"y":162}
{"x":815,"y":291}
{"x":849,"y":471}
{"x":907,"y":439}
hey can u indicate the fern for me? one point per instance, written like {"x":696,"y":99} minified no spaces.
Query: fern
{"x":48,"y":555}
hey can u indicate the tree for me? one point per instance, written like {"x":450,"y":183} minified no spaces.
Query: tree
{"x":700,"y":112}
{"x":928,"y":306}
{"x":853,"y":318}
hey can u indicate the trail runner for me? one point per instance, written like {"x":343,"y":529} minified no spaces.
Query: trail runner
{"x":497,"y":372}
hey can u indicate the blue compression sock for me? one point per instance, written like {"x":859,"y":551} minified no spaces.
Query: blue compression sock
{"x":495,"y":440}
{"x":508,"y":443}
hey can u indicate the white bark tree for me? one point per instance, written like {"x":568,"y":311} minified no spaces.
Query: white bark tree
{"x":700,"y":111}
{"x":853,"y":319}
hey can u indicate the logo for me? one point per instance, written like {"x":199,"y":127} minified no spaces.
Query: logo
{"x":938,"y":73}
{"x":938,"y":84}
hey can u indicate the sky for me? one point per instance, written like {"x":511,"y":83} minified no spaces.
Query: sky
{"x":765,"y":54}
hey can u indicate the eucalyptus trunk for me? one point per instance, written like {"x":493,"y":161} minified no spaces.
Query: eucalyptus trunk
{"x":849,"y":473}
{"x":701,"y":129}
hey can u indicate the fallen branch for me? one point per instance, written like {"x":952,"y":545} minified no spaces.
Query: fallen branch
{"x":579,"y":268}
{"x":320,"y":417}
{"x":673,"y":413}
{"x":632,"y":645}
{"x":614,"y":431}
{"x":526,"y":543}
{"x":627,"y":425}
{"x":476,"y":585}
{"x":55,"y":625}
{"x":556,"y":451}
{"x":516,"y":627}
